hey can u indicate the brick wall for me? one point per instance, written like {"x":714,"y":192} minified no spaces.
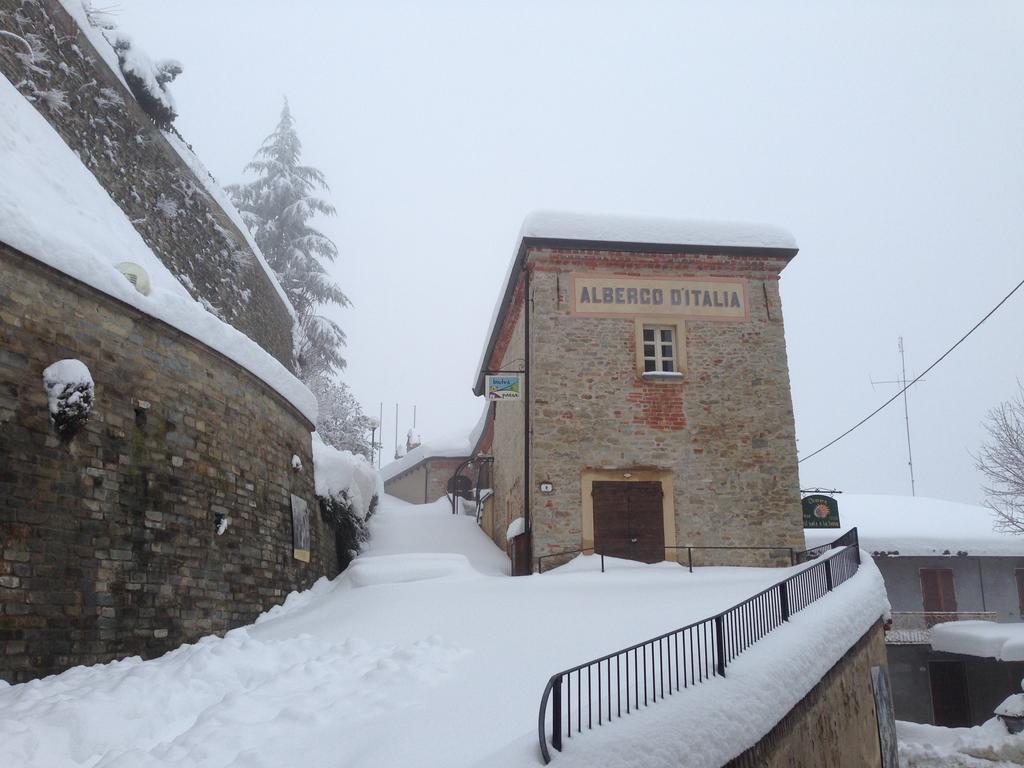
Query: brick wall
{"x":104,"y":125}
{"x":108,"y":542}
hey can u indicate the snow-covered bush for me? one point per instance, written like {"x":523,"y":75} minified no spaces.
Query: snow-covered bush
{"x":348,"y":489}
{"x":147,"y":79}
{"x":70,"y":392}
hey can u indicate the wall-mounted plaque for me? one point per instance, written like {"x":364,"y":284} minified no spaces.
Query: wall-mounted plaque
{"x":300,"y":529}
{"x":886,"y":720}
{"x":706,"y":299}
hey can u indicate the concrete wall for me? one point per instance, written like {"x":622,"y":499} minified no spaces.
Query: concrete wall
{"x":426,"y":482}
{"x":981,"y":583}
{"x":104,"y":125}
{"x":109,"y":546}
{"x":409,"y":486}
{"x":834,"y":725}
{"x":725,"y":431}
{"x":988,"y":682}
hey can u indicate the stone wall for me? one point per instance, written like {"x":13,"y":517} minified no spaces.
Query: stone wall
{"x":834,"y":725}
{"x":725,"y":431}
{"x":425,"y":482}
{"x":508,"y":432}
{"x":109,"y":545}
{"x":92,"y":111}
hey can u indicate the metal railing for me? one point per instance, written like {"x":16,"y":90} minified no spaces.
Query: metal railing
{"x":779,"y":552}
{"x":615,"y":685}
{"x":849,"y":538}
{"x":914,"y":627}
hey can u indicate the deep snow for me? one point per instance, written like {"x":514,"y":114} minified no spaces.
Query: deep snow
{"x":423,"y":653}
{"x":918,"y":526}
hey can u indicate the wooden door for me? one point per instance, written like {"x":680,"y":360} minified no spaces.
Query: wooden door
{"x":646,"y":522}
{"x":628,"y":520}
{"x":949,"y":693}
{"x":938,"y":594}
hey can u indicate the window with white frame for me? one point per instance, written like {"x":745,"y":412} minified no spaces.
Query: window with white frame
{"x":659,"y":348}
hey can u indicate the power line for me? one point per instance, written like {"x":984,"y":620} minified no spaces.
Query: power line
{"x":919,"y":377}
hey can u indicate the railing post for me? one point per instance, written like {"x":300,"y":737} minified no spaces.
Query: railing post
{"x":784,"y":600}
{"x":828,"y":574}
{"x":689,"y":558}
{"x":792,"y":556}
{"x":556,"y":715}
{"x":602,"y":562}
{"x":720,"y":644}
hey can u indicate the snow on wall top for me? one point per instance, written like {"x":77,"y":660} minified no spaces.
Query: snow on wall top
{"x":980,"y":638}
{"x":54,"y":210}
{"x":633,"y":230}
{"x":76,"y":10}
{"x":451,"y":446}
{"x":221,"y":198}
{"x":336,"y":472}
{"x":917,"y":526}
{"x":564,"y":225}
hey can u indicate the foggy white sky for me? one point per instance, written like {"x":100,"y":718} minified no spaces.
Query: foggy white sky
{"x":889,"y":140}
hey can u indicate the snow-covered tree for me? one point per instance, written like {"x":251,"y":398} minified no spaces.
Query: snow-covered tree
{"x":148,"y":80}
{"x":1001,"y":461}
{"x":278,"y":206}
{"x":341,"y":422}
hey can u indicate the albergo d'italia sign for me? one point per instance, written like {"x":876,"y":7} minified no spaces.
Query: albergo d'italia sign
{"x":706,"y":299}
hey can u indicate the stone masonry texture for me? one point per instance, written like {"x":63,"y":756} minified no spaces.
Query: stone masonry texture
{"x":88,"y":106}
{"x":108,"y":545}
{"x":725,"y":431}
{"x":835,"y":724}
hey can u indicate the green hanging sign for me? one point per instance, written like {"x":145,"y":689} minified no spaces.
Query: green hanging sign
{"x":820,"y":511}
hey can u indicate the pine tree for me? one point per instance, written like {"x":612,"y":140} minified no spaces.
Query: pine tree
{"x":277,"y":206}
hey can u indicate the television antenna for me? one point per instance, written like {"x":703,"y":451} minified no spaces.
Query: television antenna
{"x":902,"y":381}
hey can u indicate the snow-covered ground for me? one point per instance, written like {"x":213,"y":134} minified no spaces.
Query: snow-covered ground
{"x":983,"y":746}
{"x":423,"y":653}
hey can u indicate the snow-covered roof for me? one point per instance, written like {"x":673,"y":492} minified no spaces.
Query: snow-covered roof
{"x":980,"y":638}
{"x":629,"y":233}
{"x":449,"y":447}
{"x":919,"y":526}
{"x":54,"y":210}
{"x":650,"y":230}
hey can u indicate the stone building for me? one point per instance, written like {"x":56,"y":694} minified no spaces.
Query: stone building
{"x":655,"y":408}
{"x":177,"y":508}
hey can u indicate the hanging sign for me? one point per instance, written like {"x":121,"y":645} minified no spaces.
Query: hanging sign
{"x":820,"y":511}
{"x":503,"y":387}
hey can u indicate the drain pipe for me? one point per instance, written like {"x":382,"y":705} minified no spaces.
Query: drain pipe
{"x":526,"y":414}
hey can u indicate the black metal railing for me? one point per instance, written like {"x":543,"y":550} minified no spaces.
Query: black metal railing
{"x":848,"y":539}
{"x":594,"y":693}
{"x":773,"y":553}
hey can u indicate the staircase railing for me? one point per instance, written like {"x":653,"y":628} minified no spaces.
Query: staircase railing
{"x":619,"y":683}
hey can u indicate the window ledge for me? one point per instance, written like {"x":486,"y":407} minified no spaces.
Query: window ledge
{"x":662,"y":375}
